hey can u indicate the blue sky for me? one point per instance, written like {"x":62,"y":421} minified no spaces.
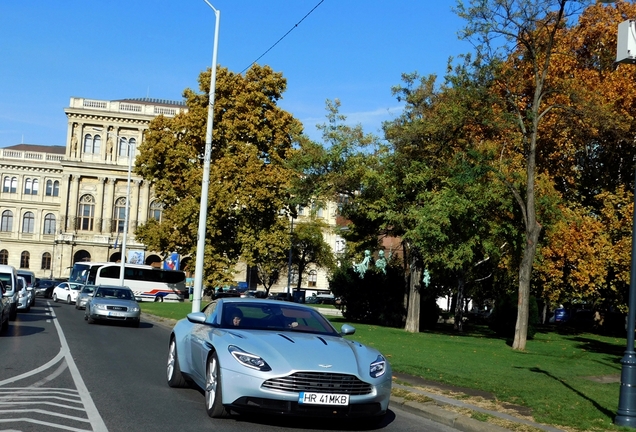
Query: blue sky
{"x":352,"y":50}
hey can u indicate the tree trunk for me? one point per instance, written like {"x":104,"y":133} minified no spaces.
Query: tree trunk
{"x":525,"y":274}
{"x":459,"y":306}
{"x":413,"y":311}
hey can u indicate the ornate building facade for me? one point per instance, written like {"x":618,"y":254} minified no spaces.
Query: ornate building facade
{"x":63,"y":204}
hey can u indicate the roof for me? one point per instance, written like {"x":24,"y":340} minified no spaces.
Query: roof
{"x":56,"y":149}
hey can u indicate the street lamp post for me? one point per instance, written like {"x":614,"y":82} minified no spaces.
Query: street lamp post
{"x":626,"y":413}
{"x":131,"y":153}
{"x":205,"y":182}
{"x":289,"y":261}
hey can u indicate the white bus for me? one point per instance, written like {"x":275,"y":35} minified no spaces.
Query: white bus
{"x":147,"y":283}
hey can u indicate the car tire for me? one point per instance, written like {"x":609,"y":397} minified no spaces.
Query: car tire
{"x":175,"y":377}
{"x":5,"y":326}
{"x":55,"y":298}
{"x":68,"y":300}
{"x":13,"y":315}
{"x":213,"y":392}
{"x":158,"y":299}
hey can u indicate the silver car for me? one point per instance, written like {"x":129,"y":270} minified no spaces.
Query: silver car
{"x":25,"y":296}
{"x":113,"y":303}
{"x":83,"y":296}
{"x":252,"y":355}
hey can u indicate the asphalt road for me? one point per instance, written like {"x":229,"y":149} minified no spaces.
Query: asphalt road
{"x":57,"y":372}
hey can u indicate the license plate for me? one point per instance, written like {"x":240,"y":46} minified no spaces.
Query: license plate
{"x":116,"y":314}
{"x":310,"y":398}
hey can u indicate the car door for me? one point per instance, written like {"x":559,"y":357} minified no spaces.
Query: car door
{"x":61,"y":291}
{"x":199,"y":339}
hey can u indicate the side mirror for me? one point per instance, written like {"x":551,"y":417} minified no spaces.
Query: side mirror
{"x":196,"y":317}
{"x":347,"y":329}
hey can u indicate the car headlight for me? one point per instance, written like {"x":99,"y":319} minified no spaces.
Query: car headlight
{"x":22,"y":294}
{"x":378,"y":367}
{"x":100,"y":306}
{"x":249,"y":360}
{"x":133,"y":309}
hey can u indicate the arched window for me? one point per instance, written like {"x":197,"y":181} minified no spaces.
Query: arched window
{"x":46,"y":261}
{"x":10,"y":185}
{"x":25,"y":257}
{"x":36,"y":187}
{"x":313,"y":276}
{"x":56,"y":188}
{"x":6,"y":224}
{"x":155,"y":211}
{"x":28,"y":222}
{"x":49,"y":224}
{"x":120,"y":214}
{"x":86,"y":213}
{"x":88,"y":143}
{"x":4,"y":257}
{"x":123,"y":147}
{"x":97,"y":142}
{"x":49,"y":188}
{"x":28,"y":184}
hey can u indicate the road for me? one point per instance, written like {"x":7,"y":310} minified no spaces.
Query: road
{"x":57,"y":372}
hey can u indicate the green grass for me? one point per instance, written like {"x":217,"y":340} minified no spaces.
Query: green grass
{"x":552,"y":376}
{"x":172,"y":310}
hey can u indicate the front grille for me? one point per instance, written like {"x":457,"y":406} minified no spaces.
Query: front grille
{"x":117,"y":308}
{"x":319,"y":382}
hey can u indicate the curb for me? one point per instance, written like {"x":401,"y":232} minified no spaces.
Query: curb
{"x":434,"y":411}
{"x":445,"y":417}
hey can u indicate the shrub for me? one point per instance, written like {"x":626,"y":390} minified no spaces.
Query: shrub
{"x":504,"y":316}
{"x":377,"y":298}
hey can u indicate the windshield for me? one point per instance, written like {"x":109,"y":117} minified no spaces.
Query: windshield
{"x":7,"y":280}
{"x":264,"y":316}
{"x":114,"y":293}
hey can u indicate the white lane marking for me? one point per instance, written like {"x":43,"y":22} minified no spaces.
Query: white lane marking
{"x":93,"y":414}
{"x":28,"y":420}
{"x":41,"y":411}
{"x":96,"y":421}
{"x":36,"y":371}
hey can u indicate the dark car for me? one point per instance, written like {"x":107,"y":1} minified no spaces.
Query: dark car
{"x":44,"y":287}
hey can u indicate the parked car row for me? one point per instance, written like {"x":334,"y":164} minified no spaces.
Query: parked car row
{"x":18,"y":290}
{"x":17,"y":294}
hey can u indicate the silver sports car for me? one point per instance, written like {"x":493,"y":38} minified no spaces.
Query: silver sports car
{"x":276,"y":357}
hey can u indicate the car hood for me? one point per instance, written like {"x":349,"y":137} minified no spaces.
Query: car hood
{"x":296,"y":351}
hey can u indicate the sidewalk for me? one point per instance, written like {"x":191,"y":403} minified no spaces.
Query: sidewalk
{"x":457,"y":407}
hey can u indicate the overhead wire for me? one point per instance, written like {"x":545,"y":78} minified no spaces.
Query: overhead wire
{"x":284,"y":36}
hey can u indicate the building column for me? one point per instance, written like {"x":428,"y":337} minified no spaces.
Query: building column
{"x":99,"y":205}
{"x":134,"y":205}
{"x":65,"y":202}
{"x":69,"y":138}
{"x":73,"y":201}
{"x":144,"y":202}
{"x":109,"y":203}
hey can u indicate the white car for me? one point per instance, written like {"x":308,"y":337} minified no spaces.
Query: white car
{"x":67,"y":291}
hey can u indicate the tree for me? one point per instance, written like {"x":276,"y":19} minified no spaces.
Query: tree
{"x":309,"y":248}
{"x":530,"y":29}
{"x":249,"y":179}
